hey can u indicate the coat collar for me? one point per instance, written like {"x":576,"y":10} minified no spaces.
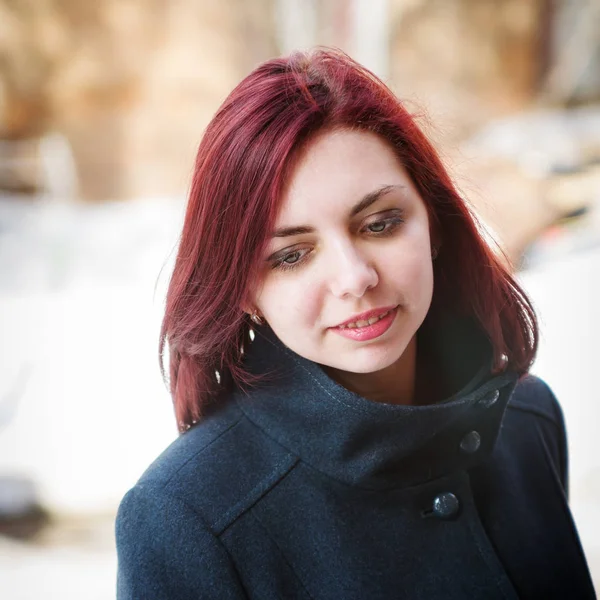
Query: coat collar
{"x":374,"y":445}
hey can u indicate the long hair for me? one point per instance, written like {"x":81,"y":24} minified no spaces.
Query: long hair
{"x":243,"y":160}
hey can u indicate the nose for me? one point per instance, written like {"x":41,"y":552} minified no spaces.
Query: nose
{"x":352,"y":273}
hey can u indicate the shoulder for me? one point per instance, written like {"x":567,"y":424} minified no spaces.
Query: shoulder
{"x":533,"y":399}
{"x":532,"y":395}
{"x":217,"y":469}
{"x":535,"y":417}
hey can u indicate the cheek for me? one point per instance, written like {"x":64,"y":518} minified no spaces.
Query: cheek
{"x":412,"y":274}
{"x":290,"y":303}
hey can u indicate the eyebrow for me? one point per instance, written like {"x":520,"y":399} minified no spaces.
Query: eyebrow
{"x":361,"y":205}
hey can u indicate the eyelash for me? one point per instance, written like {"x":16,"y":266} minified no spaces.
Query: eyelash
{"x":392,"y":223}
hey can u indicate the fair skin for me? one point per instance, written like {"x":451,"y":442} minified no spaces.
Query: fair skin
{"x":358,"y":238}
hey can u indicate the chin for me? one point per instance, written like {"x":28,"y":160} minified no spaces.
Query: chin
{"x":368,"y":360}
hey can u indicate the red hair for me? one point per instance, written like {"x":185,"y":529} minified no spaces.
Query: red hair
{"x":240,"y":172}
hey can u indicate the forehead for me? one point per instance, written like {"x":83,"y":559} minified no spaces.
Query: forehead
{"x":336,"y":169}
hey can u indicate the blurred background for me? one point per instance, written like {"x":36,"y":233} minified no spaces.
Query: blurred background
{"x":102,"y":105}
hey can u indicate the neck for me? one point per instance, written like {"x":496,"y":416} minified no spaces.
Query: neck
{"x":393,"y":385}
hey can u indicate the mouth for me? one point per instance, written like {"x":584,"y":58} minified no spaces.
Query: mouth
{"x":368,"y":318}
{"x":370,"y":328}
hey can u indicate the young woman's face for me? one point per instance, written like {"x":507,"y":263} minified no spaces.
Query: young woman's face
{"x":352,"y":236}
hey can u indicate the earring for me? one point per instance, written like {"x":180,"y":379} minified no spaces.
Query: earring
{"x":255,"y":318}
{"x":434,"y":252}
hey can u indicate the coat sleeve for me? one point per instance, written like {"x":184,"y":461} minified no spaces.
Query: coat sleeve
{"x":165,"y":551}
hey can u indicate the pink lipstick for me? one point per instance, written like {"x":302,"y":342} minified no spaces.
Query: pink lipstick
{"x":367,"y":326}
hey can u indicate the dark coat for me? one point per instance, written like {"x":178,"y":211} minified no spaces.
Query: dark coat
{"x":302,"y":489}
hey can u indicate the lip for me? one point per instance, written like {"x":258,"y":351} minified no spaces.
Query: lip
{"x":369,"y":332}
{"x":365,"y":316}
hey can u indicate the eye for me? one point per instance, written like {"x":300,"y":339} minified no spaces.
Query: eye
{"x":384,"y":227}
{"x":377,"y":227}
{"x":290,"y":260}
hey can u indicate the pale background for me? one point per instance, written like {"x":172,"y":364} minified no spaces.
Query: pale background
{"x":101,"y":108}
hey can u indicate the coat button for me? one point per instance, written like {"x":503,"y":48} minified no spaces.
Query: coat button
{"x":446,"y":505}
{"x":490,"y":399}
{"x":470,"y":443}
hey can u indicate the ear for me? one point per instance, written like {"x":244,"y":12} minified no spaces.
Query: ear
{"x":249,"y":300}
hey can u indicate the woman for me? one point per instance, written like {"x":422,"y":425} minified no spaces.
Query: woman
{"x":348,"y":362}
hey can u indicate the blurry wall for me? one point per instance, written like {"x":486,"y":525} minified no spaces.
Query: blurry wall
{"x":131,"y":83}
{"x":468,"y":61}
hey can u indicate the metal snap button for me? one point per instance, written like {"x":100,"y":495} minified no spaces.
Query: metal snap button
{"x":490,"y":399}
{"x":446,"y":505}
{"x":471,"y":442}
